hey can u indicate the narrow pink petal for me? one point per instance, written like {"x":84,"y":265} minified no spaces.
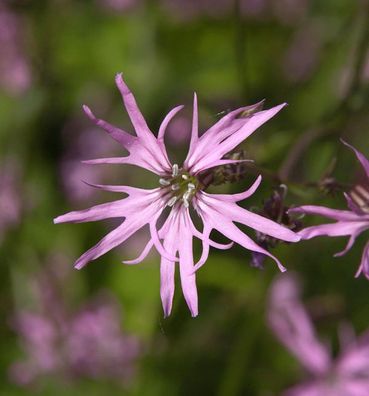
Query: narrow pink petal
{"x":240,"y":196}
{"x":341,"y":228}
{"x":217,"y":245}
{"x":95,"y":213}
{"x":225,"y":226}
{"x":167,"y":285}
{"x":123,"y":189}
{"x":335,"y":214}
{"x":352,"y":206}
{"x":205,"y":247}
{"x":137,"y":119}
{"x":110,"y":241}
{"x":142,"y":256}
{"x":195,"y":127}
{"x":363,"y":160}
{"x":167,"y":120}
{"x":145,"y":163}
{"x":122,"y":137}
{"x":219,"y":131}
{"x":251,"y":124}
{"x":351,"y":241}
{"x":170,"y":230}
{"x":250,"y":219}
{"x":156,"y":240}
{"x":364,"y":264}
{"x":138,"y":200}
{"x":220,"y":162}
{"x":186,"y":267}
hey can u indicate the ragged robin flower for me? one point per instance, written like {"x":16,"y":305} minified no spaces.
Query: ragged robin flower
{"x":346,"y":374}
{"x":179,"y":188}
{"x":350,"y":222}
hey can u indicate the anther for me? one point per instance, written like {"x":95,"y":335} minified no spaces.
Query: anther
{"x":175,"y":170}
{"x":191,"y":186}
{"x":184,"y":177}
{"x":164,"y":182}
{"x":175,"y":187}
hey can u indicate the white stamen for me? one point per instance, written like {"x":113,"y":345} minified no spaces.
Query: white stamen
{"x":191,"y":186}
{"x":164,"y":182}
{"x":185,"y":202}
{"x":172,"y":201}
{"x":361,"y":190}
{"x":184,"y":177}
{"x":357,"y":199}
{"x":175,"y":170}
{"x":175,"y":187}
{"x":187,"y":195}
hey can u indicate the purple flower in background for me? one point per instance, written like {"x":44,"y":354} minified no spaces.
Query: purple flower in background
{"x":346,"y":375}
{"x":350,"y":222}
{"x":15,"y":73}
{"x":89,"y":143}
{"x":58,"y":341}
{"x":118,"y":5}
{"x":180,"y":187}
{"x":303,"y":53}
{"x":10,"y":196}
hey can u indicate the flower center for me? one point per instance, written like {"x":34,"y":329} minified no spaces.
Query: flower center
{"x":180,"y":186}
{"x":360,"y":195}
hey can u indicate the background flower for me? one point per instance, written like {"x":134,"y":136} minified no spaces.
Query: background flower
{"x":347,"y":374}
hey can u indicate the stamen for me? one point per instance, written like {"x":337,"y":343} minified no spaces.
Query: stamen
{"x":164,"y":182}
{"x":186,"y":195}
{"x":172,"y":201}
{"x":175,"y":170}
{"x":361,"y":190}
{"x":180,"y":186}
{"x":357,"y":199}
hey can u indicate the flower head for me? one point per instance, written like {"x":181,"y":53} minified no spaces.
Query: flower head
{"x":179,"y":188}
{"x":347,"y":375}
{"x":350,"y":222}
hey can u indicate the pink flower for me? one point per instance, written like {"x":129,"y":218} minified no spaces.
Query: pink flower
{"x":15,"y":72}
{"x":179,"y":189}
{"x":347,"y":375}
{"x":350,"y":222}
{"x":58,"y":341}
{"x":10,"y":195}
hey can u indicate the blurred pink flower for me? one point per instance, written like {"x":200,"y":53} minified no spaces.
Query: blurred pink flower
{"x":347,"y":375}
{"x":302,"y":56}
{"x":350,"y":222}
{"x":10,"y":195}
{"x":15,"y":73}
{"x":89,"y":143}
{"x":118,"y":5}
{"x":178,"y":188}
{"x":71,"y":343}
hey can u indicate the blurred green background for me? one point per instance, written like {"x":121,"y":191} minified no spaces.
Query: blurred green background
{"x":56,"y":55}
